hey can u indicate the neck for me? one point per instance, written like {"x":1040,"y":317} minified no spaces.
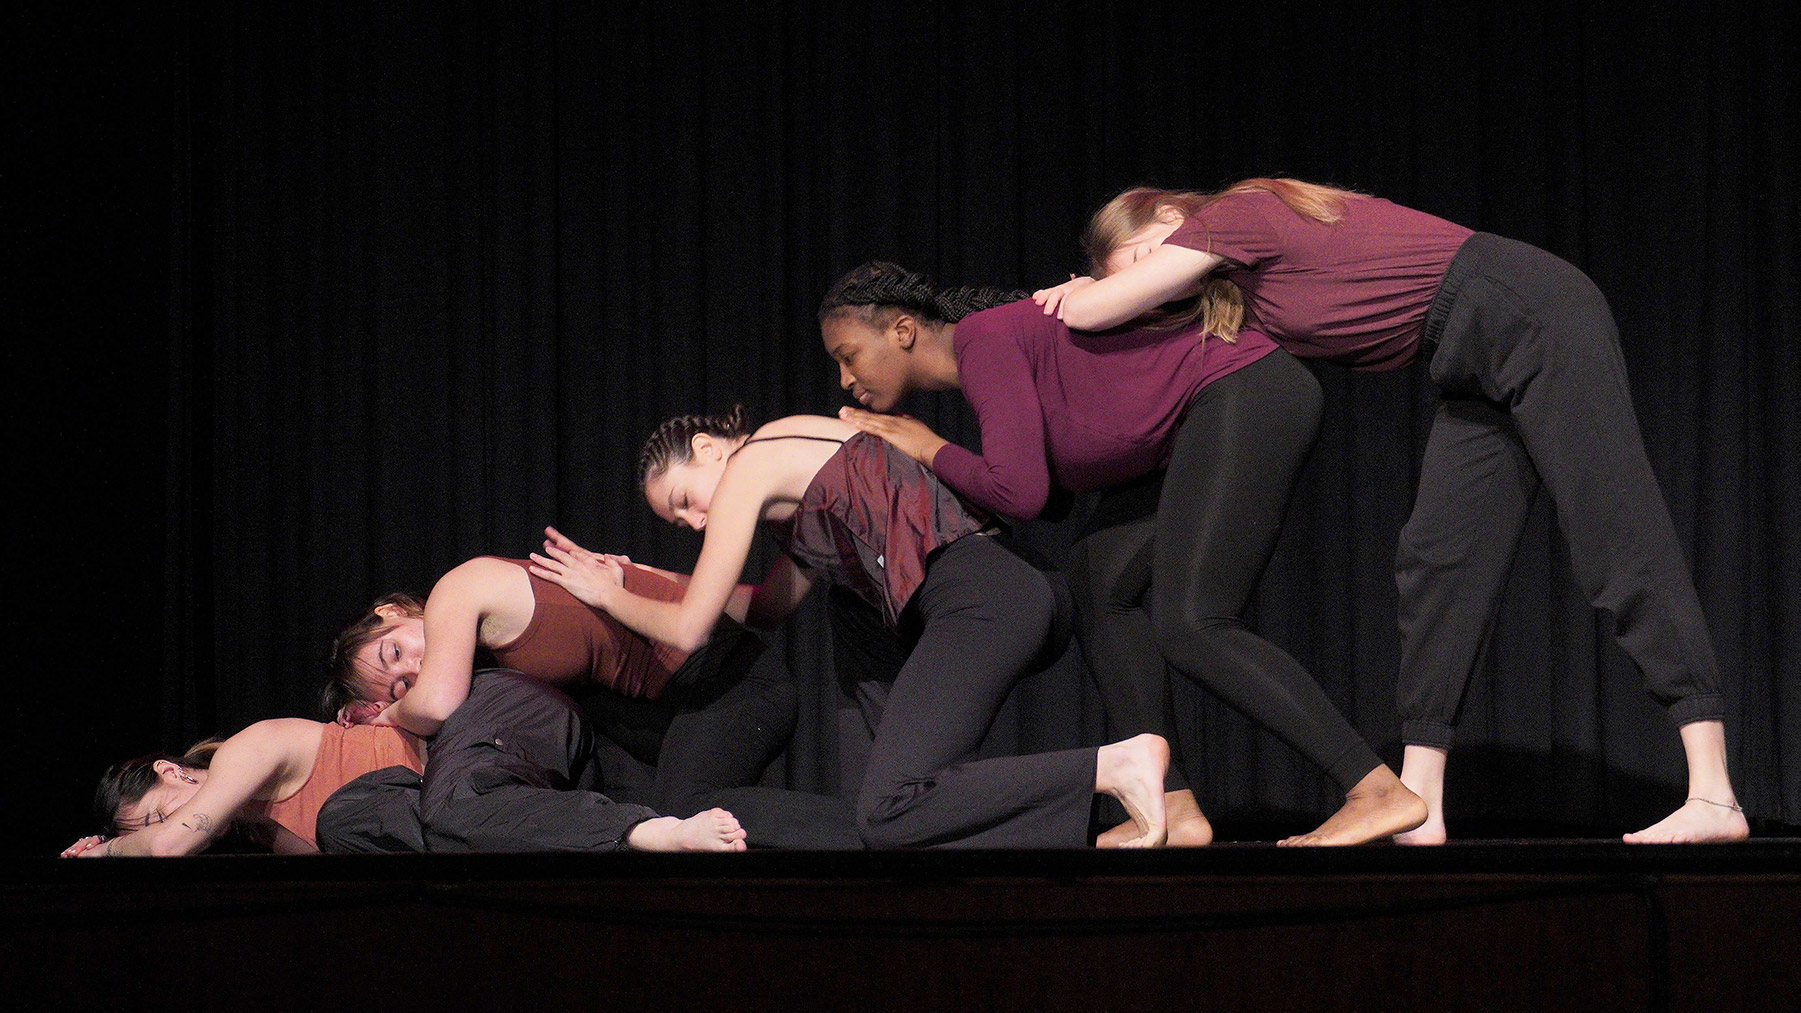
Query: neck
{"x":938,"y":359}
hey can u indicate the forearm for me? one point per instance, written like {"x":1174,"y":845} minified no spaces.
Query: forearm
{"x":168,"y":839}
{"x":1168,"y":273}
{"x":1016,"y":492}
{"x":1099,"y":308}
{"x":685,"y":628}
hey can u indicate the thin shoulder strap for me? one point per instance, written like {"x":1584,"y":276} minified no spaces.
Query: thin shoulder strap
{"x":793,"y":436}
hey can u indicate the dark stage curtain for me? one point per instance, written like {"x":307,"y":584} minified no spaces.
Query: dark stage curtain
{"x":401,"y":283}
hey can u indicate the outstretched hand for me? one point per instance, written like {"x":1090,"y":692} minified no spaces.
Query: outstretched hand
{"x":592,"y":577}
{"x":1052,"y":298}
{"x":904,"y":432}
{"x":87,"y":847}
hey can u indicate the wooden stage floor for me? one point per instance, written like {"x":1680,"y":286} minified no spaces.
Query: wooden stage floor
{"x":1472,"y":925}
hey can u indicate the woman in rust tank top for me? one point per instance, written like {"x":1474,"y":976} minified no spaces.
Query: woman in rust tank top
{"x":271,"y":780}
{"x":847,"y":509}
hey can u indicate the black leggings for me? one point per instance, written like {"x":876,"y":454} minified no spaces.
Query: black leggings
{"x":727,"y":714}
{"x":984,"y":618}
{"x":1234,"y":466}
{"x":1534,"y":391}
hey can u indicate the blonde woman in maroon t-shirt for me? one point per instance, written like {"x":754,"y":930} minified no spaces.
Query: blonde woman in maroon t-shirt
{"x":1527,"y":360}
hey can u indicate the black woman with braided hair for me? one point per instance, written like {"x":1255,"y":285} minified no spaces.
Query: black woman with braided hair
{"x":848,"y":508}
{"x":1195,"y":392}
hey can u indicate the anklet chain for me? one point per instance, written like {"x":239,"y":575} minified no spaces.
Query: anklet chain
{"x":1710,"y":801}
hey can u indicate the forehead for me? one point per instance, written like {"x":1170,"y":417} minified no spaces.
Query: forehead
{"x":666,"y":485}
{"x":847,"y":327}
{"x":144,"y":806}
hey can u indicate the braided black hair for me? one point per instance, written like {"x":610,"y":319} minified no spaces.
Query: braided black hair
{"x":879,"y":288}
{"x":673,"y":442}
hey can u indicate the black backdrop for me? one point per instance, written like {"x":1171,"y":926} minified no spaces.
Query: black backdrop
{"x":319,"y":301}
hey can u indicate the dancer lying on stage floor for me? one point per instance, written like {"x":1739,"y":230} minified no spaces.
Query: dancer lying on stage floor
{"x":506,"y":773}
{"x":846,"y":507}
{"x":709,"y":719}
{"x":1533,"y":391}
{"x":1232,"y":418}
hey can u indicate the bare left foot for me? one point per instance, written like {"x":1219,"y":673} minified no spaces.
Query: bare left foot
{"x":1379,"y":806}
{"x":713,"y":830}
{"x":1132,"y":771}
{"x":1697,"y":822}
{"x":1188,"y":828}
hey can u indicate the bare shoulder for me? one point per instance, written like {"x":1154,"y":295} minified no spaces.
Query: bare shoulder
{"x":281,"y":734}
{"x":480,"y":573}
{"x":269,"y":753}
{"x":806,"y":425}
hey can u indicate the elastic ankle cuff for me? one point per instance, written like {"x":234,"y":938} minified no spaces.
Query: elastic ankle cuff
{"x":1427,"y":733}
{"x":1705,"y":707}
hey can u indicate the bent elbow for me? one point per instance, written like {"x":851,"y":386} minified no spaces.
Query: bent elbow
{"x":1022,"y":504}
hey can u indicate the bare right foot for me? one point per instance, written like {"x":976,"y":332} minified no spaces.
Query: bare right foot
{"x":1187,"y":827}
{"x":1132,"y":771}
{"x":1430,"y":832}
{"x":1379,"y":806}
{"x":1423,"y":772}
{"x":713,"y":830}
{"x":1699,"y":821}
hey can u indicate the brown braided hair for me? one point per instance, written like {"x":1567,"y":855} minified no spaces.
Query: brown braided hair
{"x":673,"y":441}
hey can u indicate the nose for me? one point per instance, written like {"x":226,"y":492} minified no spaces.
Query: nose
{"x":844,"y":377}
{"x":694,"y":519}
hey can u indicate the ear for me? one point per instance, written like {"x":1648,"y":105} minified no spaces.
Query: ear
{"x":167,"y":771}
{"x":391,"y":611}
{"x":1169,"y":214}
{"x":904,"y":331}
{"x":703,"y":446}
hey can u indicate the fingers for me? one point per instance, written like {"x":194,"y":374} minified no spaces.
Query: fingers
{"x":554,"y":537}
{"x":549,"y":569}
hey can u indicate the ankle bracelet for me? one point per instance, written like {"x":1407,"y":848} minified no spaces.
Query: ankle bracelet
{"x":1710,"y":801}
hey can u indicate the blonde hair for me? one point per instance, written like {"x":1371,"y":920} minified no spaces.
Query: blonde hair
{"x":1219,"y":307}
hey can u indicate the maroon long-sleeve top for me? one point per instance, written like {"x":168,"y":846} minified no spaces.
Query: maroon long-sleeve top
{"x":1083,"y":411}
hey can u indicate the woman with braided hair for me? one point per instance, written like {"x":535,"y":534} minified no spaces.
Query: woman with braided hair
{"x":846,"y":507}
{"x":1230,"y":416}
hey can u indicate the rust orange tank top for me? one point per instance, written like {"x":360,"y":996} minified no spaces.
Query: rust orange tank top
{"x":567,"y":642}
{"x":345,"y":754}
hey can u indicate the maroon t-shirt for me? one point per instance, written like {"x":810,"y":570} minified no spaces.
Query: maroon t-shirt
{"x":1085,"y":411}
{"x":1355,"y":291}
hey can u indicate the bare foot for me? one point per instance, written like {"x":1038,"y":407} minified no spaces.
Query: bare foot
{"x":1132,"y":771}
{"x":1379,"y":806}
{"x":713,"y":830}
{"x":1430,"y":832}
{"x":1423,"y":773}
{"x":1698,"y":822}
{"x":1187,"y":827}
